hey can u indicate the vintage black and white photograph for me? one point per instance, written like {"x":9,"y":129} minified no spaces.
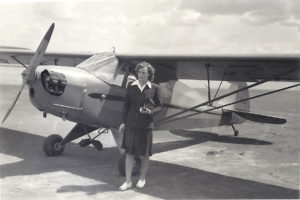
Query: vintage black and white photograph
{"x":140,"y":99}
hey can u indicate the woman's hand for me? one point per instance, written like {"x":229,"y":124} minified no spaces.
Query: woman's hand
{"x":121,"y":128}
{"x":146,"y":111}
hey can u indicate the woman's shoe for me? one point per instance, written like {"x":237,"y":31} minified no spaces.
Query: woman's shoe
{"x":141,"y":183}
{"x":125,"y":186}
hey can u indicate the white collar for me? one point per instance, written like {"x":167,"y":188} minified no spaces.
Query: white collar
{"x":136,"y":82}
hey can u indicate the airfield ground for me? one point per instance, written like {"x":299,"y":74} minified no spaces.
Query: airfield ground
{"x":262,"y":163}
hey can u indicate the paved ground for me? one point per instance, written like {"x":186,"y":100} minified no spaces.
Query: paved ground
{"x":196,"y":164}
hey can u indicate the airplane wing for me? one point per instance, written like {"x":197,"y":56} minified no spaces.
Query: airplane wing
{"x":246,"y":68}
{"x":22,"y":56}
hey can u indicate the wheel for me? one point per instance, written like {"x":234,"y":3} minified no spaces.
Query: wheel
{"x":136,"y":166}
{"x":52,"y":145}
{"x":236,"y":133}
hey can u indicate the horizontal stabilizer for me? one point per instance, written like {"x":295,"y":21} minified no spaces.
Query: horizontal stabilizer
{"x":260,"y":118}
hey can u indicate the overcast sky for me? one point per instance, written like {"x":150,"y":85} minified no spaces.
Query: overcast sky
{"x":155,"y":26}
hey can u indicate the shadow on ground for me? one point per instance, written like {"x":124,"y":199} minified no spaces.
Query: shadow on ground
{"x":205,"y":136}
{"x":168,"y":181}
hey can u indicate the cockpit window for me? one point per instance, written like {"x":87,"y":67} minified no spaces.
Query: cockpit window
{"x":102,"y":65}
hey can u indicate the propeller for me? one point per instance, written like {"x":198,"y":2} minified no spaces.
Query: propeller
{"x":29,"y":72}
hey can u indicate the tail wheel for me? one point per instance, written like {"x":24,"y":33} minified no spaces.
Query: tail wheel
{"x":52,"y":145}
{"x":122,"y":165}
{"x":236,"y":133}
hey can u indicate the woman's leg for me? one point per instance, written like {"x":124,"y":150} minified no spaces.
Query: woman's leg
{"x":144,"y":167}
{"x":129,"y":165}
{"x":145,"y":159}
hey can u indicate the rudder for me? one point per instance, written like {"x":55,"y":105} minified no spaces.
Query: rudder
{"x":242,"y":106}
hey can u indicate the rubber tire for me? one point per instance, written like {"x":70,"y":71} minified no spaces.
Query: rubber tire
{"x":236,"y":133}
{"x":136,"y":167}
{"x":49,"y":145}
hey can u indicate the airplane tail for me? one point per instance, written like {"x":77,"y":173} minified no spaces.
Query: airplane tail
{"x":240,"y":112}
{"x":242,"y":106}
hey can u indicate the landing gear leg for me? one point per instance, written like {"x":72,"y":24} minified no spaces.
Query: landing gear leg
{"x":54,"y":144}
{"x":118,"y":137}
{"x":236,"y":132}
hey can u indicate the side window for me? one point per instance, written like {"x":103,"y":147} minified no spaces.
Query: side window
{"x":123,"y":77}
{"x":119,"y":79}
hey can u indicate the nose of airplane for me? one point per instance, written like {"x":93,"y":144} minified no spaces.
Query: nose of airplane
{"x":64,"y":92}
{"x":56,"y":81}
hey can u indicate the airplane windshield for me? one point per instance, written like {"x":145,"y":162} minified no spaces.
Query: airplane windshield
{"x":102,"y":66}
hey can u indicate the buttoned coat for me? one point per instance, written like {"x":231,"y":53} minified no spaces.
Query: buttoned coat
{"x":135,"y":99}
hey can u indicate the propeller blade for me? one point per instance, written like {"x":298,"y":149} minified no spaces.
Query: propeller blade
{"x":29,"y":72}
{"x":14,"y":103}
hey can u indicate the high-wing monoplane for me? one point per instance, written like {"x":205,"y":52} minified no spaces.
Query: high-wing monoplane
{"x":89,"y":89}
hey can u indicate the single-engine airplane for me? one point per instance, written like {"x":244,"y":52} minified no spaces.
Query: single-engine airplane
{"x":91,"y":92}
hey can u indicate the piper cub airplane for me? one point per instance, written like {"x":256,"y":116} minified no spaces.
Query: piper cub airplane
{"x":91,"y":93}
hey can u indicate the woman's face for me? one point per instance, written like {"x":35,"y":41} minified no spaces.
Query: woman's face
{"x":143,"y":74}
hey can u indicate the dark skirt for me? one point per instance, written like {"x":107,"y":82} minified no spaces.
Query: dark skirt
{"x":137,"y":141}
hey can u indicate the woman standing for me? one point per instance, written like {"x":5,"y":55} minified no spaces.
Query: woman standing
{"x":142,"y":101}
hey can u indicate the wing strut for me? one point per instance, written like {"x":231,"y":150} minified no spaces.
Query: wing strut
{"x":218,"y":98}
{"x":218,"y":107}
{"x":220,"y":85}
{"x":225,"y":95}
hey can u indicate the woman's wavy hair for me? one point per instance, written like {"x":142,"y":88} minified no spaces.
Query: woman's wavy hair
{"x":149,"y":67}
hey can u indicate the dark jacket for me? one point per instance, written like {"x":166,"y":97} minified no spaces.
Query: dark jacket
{"x":135,"y":99}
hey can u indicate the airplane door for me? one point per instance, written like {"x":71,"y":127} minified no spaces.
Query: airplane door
{"x":112,"y":107}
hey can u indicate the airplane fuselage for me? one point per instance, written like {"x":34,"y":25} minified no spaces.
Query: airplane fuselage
{"x":77,"y":95}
